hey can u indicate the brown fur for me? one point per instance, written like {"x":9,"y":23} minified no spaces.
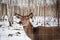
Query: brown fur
{"x":38,"y":33}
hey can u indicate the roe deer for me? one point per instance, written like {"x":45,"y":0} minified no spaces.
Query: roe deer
{"x":25,"y":21}
{"x":38,"y":33}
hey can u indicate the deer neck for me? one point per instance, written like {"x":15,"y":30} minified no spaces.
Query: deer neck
{"x":29,"y":26}
{"x":29,"y":30}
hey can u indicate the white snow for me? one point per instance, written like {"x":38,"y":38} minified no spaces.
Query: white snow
{"x":51,"y":21}
{"x":36,"y":21}
{"x":15,"y":19}
{"x":5,"y":21}
{"x":5,"y":30}
{"x":39,"y":21}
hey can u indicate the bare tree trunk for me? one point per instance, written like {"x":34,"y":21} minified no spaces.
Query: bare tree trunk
{"x":0,"y":10}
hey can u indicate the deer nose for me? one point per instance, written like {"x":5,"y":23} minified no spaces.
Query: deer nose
{"x":20,"y":22}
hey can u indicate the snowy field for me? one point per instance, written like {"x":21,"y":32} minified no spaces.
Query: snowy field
{"x":16,"y":31}
{"x":11,"y":33}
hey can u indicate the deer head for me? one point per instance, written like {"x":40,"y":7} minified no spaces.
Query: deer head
{"x":25,"y":20}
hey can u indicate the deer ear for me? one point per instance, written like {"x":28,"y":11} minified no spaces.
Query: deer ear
{"x":18,"y":15}
{"x":31,"y":15}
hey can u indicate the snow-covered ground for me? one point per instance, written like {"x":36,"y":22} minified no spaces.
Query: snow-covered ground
{"x":12,"y":33}
{"x":16,"y":31}
{"x":39,"y":21}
